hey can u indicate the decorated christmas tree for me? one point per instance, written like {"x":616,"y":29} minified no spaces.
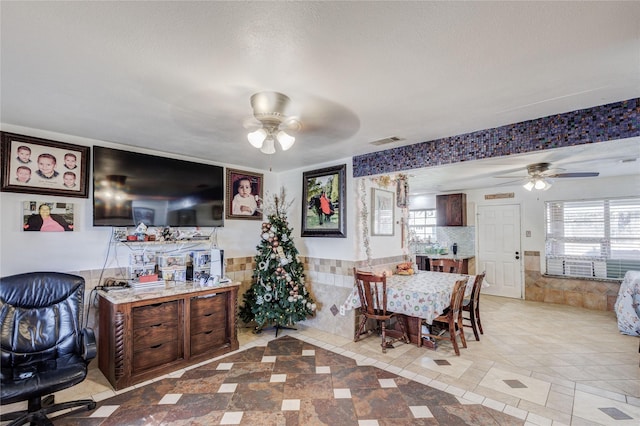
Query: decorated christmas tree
{"x":278,"y":295}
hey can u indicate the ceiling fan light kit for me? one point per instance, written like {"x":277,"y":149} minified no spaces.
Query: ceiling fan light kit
{"x":268,"y":109}
{"x":537,"y":182}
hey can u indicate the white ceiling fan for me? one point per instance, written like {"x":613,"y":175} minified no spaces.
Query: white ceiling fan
{"x":270,"y":122}
{"x":540,"y":176}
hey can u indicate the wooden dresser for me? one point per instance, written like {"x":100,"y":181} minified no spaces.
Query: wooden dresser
{"x":145,"y":334}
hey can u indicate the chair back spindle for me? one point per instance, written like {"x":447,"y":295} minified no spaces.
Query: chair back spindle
{"x":372,"y":290}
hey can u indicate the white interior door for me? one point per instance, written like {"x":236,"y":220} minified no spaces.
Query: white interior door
{"x":499,"y":251}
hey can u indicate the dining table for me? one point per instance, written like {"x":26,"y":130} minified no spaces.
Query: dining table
{"x":424,"y":294}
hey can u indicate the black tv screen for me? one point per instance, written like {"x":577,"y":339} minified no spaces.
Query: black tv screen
{"x":130,"y":187}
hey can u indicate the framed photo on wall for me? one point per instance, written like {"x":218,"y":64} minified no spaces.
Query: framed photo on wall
{"x":243,"y":196}
{"x":47,"y":216}
{"x":382,"y":212}
{"x":324,"y":202}
{"x":40,"y":166}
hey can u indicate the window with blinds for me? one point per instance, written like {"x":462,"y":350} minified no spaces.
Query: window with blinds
{"x":422,"y":224}
{"x":593,"y":238}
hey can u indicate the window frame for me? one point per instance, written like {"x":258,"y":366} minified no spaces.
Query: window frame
{"x":567,"y":231}
{"x":411,"y":227}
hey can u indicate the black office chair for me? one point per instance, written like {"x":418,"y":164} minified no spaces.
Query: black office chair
{"x":44,"y":348}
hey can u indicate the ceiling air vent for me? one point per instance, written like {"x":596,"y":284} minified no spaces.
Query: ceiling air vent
{"x":385,"y":141}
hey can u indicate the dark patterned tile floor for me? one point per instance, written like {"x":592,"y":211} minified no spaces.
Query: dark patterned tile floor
{"x":287,"y":382}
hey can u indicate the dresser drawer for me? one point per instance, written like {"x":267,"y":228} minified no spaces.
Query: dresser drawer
{"x":208,"y":322}
{"x":154,"y":334}
{"x":208,"y":340}
{"x":145,"y":316}
{"x":207,"y":305}
{"x":155,"y":355}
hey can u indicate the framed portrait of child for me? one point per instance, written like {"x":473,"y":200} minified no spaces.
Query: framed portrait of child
{"x":40,"y":166}
{"x":243,"y":198}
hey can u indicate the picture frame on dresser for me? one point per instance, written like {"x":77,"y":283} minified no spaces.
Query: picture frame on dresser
{"x":247,"y":208}
{"x":324,"y":202}
{"x":33,"y":165}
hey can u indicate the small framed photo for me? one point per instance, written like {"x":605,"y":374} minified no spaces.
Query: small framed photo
{"x":324,"y":202}
{"x":171,"y":261}
{"x":39,"y":166}
{"x":48,"y":216}
{"x":243,"y":197}
{"x":136,"y":259}
{"x":201,"y":259}
{"x":382,"y":212}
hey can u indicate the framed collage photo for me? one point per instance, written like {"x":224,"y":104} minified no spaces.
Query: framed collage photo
{"x":243,"y":197}
{"x":40,"y":166}
{"x":324,"y":202}
{"x":382,"y":212}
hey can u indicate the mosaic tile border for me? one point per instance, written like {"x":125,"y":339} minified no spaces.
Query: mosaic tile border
{"x":602,"y":123}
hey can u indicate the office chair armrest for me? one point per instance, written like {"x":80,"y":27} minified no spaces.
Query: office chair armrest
{"x":89,"y":349}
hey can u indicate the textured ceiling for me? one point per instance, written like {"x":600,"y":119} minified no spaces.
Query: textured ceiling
{"x":176,"y":77}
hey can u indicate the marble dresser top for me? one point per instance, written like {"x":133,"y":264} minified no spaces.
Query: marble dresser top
{"x":128,"y":295}
{"x":446,"y":256}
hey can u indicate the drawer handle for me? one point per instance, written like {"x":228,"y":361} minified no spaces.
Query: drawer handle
{"x":155,"y":325}
{"x":208,"y":332}
{"x":208,"y":315}
{"x":156,"y":346}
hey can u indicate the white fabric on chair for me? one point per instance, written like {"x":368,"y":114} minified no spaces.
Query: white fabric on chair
{"x":627,"y":305}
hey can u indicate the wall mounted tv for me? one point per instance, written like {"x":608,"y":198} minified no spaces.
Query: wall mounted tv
{"x":130,"y":187}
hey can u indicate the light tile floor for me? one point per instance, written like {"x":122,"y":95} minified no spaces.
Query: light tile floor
{"x":549,"y":364}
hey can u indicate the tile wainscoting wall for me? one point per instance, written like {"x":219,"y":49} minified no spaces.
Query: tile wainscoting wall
{"x":584,"y":293}
{"x":329,"y":280}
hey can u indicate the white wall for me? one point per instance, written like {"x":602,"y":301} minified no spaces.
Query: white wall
{"x":320,"y":247}
{"x":86,"y":247}
{"x":532,"y":203}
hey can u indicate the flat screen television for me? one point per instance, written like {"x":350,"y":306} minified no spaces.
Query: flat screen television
{"x":130,"y":187}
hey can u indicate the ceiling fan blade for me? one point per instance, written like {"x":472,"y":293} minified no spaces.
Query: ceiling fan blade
{"x":251,"y":123}
{"x":574,"y":175}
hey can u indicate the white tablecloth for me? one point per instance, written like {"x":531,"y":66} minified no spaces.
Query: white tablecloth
{"x":423,"y":295}
{"x":627,"y":305}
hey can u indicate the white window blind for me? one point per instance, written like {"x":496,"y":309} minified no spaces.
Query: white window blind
{"x":422,"y":224}
{"x":593,"y":238}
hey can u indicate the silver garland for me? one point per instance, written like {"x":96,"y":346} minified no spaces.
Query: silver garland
{"x":364,"y":215}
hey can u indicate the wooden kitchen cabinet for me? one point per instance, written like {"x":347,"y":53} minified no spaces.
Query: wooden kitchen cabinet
{"x":451,"y":210}
{"x":143,"y":336}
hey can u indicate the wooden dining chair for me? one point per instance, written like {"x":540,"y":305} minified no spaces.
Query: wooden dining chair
{"x":472,"y":306}
{"x":372,"y":290}
{"x":451,"y":320}
{"x":452,"y":266}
